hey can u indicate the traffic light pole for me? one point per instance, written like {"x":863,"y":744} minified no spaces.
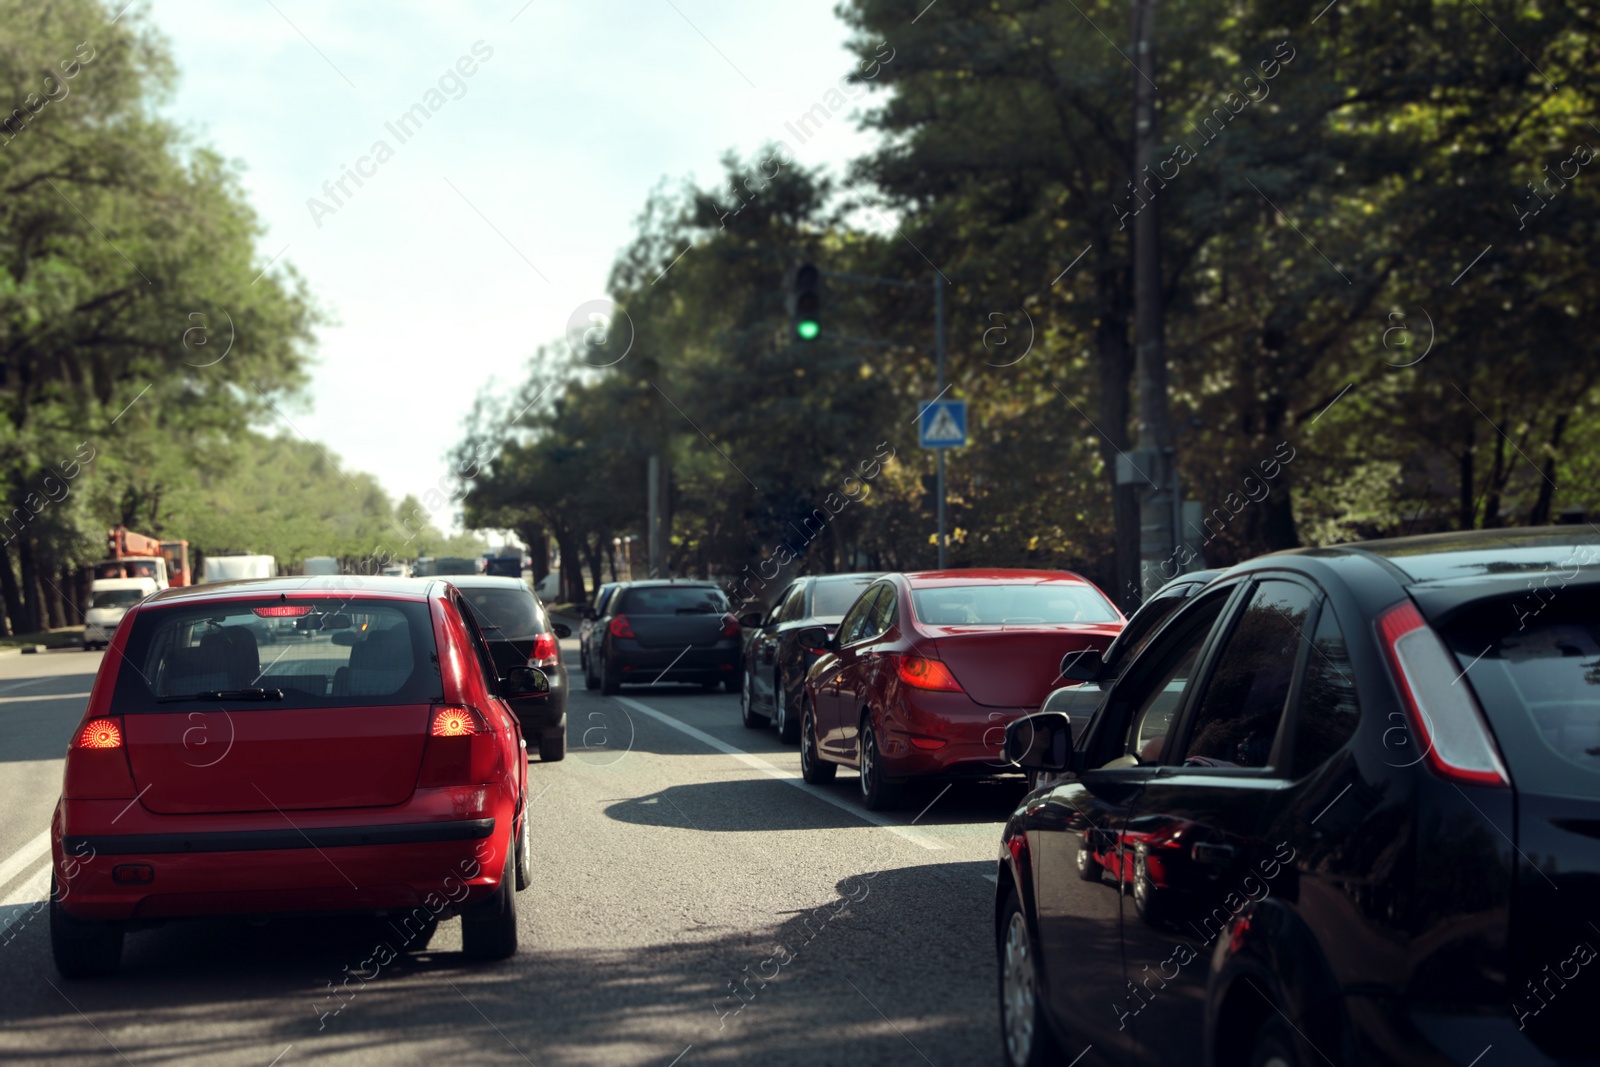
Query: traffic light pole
{"x":938,"y":349}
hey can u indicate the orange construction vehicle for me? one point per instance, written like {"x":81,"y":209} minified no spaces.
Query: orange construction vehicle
{"x":133,"y":555}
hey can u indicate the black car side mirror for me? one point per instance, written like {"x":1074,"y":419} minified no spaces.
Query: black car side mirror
{"x":817,"y":638}
{"x":561,"y":629}
{"x":525,"y":682}
{"x":750,"y":620}
{"x":1040,"y":742}
{"x":1082,"y":665}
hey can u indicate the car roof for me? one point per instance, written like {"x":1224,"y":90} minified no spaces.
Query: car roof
{"x":976,"y":576}
{"x":1477,"y":554}
{"x":298,"y":585}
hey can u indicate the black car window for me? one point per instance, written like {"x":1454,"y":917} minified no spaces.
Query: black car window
{"x":1143,"y":626}
{"x":1157,"y":679}
{"x":506,"y":614}
{"x":1241,"y":709}
{"x":603,"y":598}
{"x":850,"y":630}
{"x":784,"y":609}
{"x":832,"y":597}
{"x":794,"y":605}
{"x":1326,"y":718}
{"x":673,"y":600}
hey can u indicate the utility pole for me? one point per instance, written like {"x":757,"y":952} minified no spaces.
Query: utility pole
{"x":1160,"y":497}
{"x":938,"y":348}
{"x":653,"y":525}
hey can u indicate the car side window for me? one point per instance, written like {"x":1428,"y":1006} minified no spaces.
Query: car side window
{"x":1162,"y":674}
{"x":794,"y":605}
{"x":480,"y":648}
{"x":855,"y":620}
{"x":783,"y":610}
{"x":884,"y":610}
{"x":1241,"y":709}
{"x":1326,"y":718}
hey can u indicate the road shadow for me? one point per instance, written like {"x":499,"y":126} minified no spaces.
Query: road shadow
{"x":839,"y":982}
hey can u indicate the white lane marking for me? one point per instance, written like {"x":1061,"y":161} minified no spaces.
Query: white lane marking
{"x":24,"y":857}
{"x":32,"y":891}
{"x":791,"y":777}
{"x":24,"y":685}
{"x":34,"y":698}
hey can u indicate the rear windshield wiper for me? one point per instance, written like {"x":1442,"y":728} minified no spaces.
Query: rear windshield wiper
{"x":226,"y":694}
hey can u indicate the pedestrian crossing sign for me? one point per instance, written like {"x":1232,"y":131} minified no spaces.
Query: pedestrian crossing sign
{"x":943,"y":424}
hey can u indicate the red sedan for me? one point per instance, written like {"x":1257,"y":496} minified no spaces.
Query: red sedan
{"x":372,"y":767}
{"x":927,"y":669}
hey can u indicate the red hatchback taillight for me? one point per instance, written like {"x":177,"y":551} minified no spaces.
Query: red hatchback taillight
{"x":462,"y":748}
{"x":620,"y":627}
{"x":545,"y":651}
{"x":100,"y":733}
{"x":1449,"y":727}
{"x":923,"y":673}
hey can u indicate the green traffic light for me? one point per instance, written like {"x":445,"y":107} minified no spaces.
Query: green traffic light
{"x":807,"y":329}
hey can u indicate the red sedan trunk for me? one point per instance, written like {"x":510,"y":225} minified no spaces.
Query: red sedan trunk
{"x":1013,"y":666}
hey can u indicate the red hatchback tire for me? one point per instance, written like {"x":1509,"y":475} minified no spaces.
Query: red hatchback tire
{"x":489,"y":927}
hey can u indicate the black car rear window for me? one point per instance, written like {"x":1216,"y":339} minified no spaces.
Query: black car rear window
{"x":340,"y":652}
{"x":831,"y":599}
{"x":506,"y":614}
{"x":673,"y":600}
{"x":1534,"y":663}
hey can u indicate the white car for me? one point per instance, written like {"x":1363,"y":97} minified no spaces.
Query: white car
{"x":109,"y":601}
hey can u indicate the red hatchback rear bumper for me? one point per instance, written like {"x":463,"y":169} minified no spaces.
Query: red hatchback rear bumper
{"x":116,"y":861}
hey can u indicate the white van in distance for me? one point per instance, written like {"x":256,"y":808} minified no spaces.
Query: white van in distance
{"x":109,"y":601}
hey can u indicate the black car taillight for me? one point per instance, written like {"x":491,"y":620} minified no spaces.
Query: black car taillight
{"x":1449,"y":726}
{"x":545,"y":651}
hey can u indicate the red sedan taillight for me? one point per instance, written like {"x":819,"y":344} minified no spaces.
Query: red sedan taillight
{"x":919,"y":672}
{"x":462,"y":748}
{"x":1450,"y":732}
{"x":620,"y":627}
{"x":546,"y":653}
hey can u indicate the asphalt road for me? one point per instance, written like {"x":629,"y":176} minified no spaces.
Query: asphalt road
{"x":679,"y":857}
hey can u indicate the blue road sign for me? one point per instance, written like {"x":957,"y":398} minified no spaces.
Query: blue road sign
{"x":943,"y":424}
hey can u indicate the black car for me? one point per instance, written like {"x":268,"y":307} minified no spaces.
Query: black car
{"x":775,"y":663}
{"x":520,"y":634}
{"x":586,"y":630}
{"x":665,"y":631}
{"x":1360,"y":786}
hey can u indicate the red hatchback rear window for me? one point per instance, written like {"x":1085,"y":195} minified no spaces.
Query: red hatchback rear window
{"x":339,"y":653}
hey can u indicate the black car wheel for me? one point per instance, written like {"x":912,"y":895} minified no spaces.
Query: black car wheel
{"x":813,"y":768}
{"x":610,"y":678}
{"x":553,"y":745}
{"x":591,"y":680}
{"x":1275,"y":1046}
{"x":877,"y":793}
{"x":1147,"y":897}
{"x":1023,"y":1031}
{"x":788,"y":727}
{"x":1088,"y":869}
{"x":747,"y":712}
{"x":82,"y":948}
{"x":489,"y":927}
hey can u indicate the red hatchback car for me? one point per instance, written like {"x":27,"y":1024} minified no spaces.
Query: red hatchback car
{"x":927,"y":669}
{"x":372,"y":767}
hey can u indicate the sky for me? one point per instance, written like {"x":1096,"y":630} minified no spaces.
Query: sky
{"x":471,"y":240}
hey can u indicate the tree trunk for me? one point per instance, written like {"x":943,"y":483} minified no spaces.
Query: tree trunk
{"x":56,"y":610}
{"x":1467,"y":508}
{"x":1540,"y":515}
{"x":11,"y":596}
{"x":1497,"y":480}
{"x":32,"y":615}
{"x":571,"y":548}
